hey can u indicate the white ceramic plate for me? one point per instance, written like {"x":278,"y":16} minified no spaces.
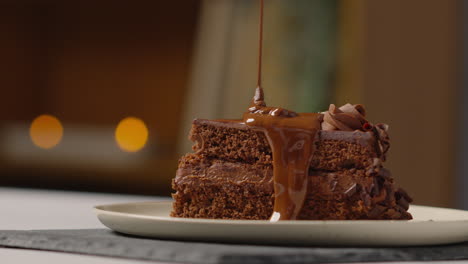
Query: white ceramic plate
{"x":431,"y":225}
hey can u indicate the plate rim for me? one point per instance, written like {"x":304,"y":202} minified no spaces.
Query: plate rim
{"x":100,"y":209}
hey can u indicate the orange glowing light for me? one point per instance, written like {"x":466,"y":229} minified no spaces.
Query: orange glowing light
{"x":131,"y":134}
{"x":46,"y":131}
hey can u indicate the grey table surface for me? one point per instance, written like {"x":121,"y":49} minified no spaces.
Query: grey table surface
{"x":27,"y":209}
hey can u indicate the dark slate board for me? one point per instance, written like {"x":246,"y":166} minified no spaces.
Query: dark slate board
{"x":105,"y":242}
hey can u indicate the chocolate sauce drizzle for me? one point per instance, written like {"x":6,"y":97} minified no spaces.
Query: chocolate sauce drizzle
{"x":292,"y":139}
{"x":260,"y":48}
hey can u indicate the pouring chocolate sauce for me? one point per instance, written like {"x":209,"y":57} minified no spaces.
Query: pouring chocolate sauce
{"x":292,"y":139}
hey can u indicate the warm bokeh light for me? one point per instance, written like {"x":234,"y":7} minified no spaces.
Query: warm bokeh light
{"x":46,"y":131}
{"x":131,"y":134}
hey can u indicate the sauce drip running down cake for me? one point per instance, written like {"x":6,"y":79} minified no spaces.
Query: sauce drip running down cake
{"x":281,"y":165}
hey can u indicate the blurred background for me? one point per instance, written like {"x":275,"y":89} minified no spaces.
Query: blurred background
{"x":99,"y":95}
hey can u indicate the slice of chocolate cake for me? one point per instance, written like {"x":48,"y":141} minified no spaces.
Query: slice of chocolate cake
{"x":279,"y":165}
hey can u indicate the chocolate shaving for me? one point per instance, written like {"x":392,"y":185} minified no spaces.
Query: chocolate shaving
{"x":364,"y":195}
{"x":375,"y":189}
{"x":400,"y":193}
{"x":376,"y":211}
{"x":394,"y":213}
{"x":403,"y":203}
{"x":351,"y":190}
{"x":381,"y":197}
{"x":383,"y":139}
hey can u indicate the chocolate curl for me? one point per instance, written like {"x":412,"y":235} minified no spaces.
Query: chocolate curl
{"x":329,"y":119}
{"x":348,"y":120}
{"x":382,"y":127}
{"x":381,"y":197}
{"x":327,"y":122}
{"x":360,"y":108}
{"x":345,"y":118}
{"x":357,"y":111}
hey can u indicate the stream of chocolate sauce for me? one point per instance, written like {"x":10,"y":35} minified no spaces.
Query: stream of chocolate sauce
{"x":292,"y":139}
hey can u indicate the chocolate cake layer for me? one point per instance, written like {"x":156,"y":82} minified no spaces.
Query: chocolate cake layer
{"x":233,"y":190}
{"x":236,"y":142}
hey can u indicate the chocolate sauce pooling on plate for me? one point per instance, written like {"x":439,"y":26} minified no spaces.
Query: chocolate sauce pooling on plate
{"x":292,"y":140}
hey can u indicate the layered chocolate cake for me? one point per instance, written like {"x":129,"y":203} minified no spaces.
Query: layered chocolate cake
{"x":281,"y":165}
{"x":277,"y":164}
